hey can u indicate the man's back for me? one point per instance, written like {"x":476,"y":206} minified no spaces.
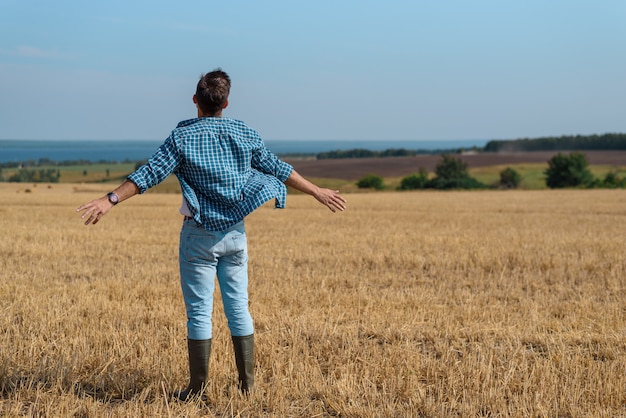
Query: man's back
{"x":225,"y":170}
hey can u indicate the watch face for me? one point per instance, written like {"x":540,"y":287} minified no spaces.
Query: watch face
{"x":113,"y":198}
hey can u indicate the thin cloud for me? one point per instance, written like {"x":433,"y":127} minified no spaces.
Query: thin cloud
{"x":34,"y":52}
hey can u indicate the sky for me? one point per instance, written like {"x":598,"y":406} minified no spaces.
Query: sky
{"x":315,"y":70}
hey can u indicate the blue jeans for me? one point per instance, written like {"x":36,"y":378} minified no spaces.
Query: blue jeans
{"x":203,"y":255}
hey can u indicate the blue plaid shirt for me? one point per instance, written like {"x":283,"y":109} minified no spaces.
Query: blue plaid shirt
{"x":224,"y":169}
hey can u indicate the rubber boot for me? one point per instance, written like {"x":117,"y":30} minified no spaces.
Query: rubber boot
{"x":199,"y":353}
{"x":244,"y":358}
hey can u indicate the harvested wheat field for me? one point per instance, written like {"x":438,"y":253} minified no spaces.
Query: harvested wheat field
{"x":430,"y":304}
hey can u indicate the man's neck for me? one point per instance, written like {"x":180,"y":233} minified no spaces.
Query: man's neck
{"x":204,"y":115}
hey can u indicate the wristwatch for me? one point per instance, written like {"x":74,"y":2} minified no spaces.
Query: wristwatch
{"x":113,"y":198}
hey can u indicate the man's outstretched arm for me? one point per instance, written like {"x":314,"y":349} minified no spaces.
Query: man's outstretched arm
{"x":97,"y":208}
{"x":327,"y":197}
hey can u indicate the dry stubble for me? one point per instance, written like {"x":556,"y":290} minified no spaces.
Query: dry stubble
{"x":408,"y":304}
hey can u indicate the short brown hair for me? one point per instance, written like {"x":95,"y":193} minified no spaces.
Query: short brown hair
{"x":212,"y":91}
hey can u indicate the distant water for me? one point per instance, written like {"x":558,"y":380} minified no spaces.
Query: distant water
{"x":135,"y":150}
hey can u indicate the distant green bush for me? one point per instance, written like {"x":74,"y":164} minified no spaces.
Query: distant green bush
{"x":415,"y":181}
{"x":451,"y":173}
{"x":509,"y":178}
{"x":570,"y":170}
{"x":613,"y":181}
{"x":371,"y":181}
{"x":451,"y":168}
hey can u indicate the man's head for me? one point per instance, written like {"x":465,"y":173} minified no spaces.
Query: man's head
{"x":212,"y":92}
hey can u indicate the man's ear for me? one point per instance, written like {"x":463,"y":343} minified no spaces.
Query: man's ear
{"x":225,"y":103}
{"x":194,"y":99}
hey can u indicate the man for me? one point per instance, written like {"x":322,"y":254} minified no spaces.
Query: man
{"x":225,"y":172}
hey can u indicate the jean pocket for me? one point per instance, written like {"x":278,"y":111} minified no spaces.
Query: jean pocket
{"x":239,"y":253}
{"x":200,"y":249}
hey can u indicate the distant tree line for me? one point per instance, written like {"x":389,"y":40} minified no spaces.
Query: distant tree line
{"x":27,"y":175}
{"x":391,"y":152}
{"x":40,"y":171}
{"x":564,"y":171}
{"x":605,"y":142}
{"x":365,"y":153}
{"x":46,"y":162}
{"x":610,"y":141}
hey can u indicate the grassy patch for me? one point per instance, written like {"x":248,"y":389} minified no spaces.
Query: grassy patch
{"x":532,"y":175}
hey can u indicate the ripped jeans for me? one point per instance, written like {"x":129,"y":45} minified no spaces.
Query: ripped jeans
{"x":203,"y":255}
